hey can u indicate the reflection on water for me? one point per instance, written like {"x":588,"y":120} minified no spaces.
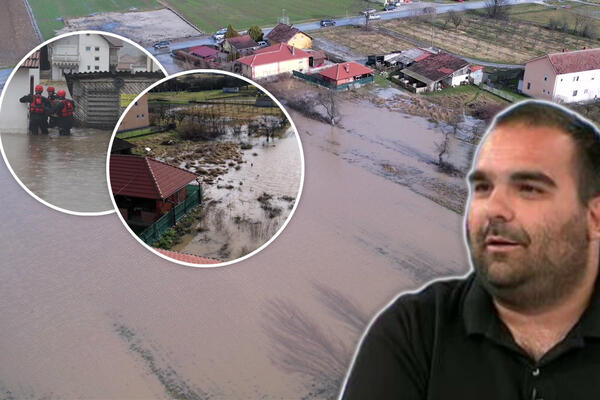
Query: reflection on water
{"x":66,"y":171}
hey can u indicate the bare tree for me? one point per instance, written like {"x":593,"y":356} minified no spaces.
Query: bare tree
{"x":329,"y":100}
{"x":497,"y":9}
{"x":455,"y":18}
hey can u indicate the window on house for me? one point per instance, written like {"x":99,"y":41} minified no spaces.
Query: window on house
{"x":544,"y":91}
{"x":574,"y":93}
{"x":142,"y":115}
{"x":96,"y":67}
{"x":97,"y":48}
{"x":528,"y":85}
{"x":575,"y":78}
{"x":87,"y":48}
{"x":545,"y":77}
{"x":96,"y":58}
{"x":136,"y":103}
{"x":89,"y":67}
{"x":137,"y":116}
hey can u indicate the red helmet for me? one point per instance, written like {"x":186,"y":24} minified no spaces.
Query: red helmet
{"x":61,"y":93}
{"x":39,"y":88}
{"x":50,"y":89}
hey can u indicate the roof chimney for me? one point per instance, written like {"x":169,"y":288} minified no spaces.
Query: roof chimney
{"x":564,"y":50}
{"x":347,"y":67}
{"x":293,"y":50}
{"x":585,"y":47}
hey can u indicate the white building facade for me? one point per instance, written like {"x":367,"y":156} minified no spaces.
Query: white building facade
{"x":568,"y":77}
{"x":83,"y":53}
{"x":15,"y":115}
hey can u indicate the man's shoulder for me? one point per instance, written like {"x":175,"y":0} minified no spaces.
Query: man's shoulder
{"x":438,"y":300}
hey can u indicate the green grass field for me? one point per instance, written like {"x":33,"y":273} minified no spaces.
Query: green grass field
{"x":210,"y":15}
{"x":185,"y":97}
{"x":47,"y":11}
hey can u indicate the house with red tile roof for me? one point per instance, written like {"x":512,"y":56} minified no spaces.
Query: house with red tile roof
{"x":239,"y":46}
{"x":273,"y":60}
{"x":434,"y":72}
{"x":185,"y":257}
{"x":346,"y":73}
{"x":565,"y":77}
{"x":145,"y":188}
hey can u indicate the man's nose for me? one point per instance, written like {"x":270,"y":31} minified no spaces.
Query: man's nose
{"x":499,"y":205}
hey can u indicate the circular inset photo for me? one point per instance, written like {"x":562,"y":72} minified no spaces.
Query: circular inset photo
{"x":58,"y":110}
{"x":206,"y":168}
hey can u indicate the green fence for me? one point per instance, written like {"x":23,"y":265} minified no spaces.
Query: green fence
{"x":154,"y":232}
{"x":331,"y":85}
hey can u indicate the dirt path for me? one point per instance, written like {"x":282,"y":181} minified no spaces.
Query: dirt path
{"x":17,"y":30}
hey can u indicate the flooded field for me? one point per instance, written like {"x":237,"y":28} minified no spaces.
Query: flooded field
{"x":66,"y":171}
{"x":281,"y":325}
{"x":245,"y":207}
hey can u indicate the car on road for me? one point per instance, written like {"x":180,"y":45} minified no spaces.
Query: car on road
{"x":369,"y":11}
{"x":262,"y":43}
{"x":163,"y":44}
{"x":220,"y":34}
{"x":389,"y":7}
{"x":327,"y":22}
{"x":373,"y":16}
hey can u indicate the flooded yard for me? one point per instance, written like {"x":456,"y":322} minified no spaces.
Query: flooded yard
{"x":66,"y":171}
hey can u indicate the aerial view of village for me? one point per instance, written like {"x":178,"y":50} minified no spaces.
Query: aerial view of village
{"x":227,"y":157}
{"x":389,"y":100}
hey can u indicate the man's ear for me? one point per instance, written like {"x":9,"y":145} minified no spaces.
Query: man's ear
{"x":594,"y":218}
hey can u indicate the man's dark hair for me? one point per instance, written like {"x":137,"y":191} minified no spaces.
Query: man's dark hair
{"x":584,"y":134}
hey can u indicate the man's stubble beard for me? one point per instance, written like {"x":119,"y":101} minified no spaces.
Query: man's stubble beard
{"x":550,"y":265}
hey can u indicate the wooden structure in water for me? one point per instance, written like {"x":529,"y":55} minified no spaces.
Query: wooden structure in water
{"x":99,"y":95}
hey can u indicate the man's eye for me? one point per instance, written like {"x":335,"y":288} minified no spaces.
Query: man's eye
{"x":530,"y":189}
{"x":481,"y":187}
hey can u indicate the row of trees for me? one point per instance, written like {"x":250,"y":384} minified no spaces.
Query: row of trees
{"x":196,"y":83}
{"x":584,"y":25}
{"x":255,"y":32}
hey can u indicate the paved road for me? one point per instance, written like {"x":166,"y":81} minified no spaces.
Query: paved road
{"x":401,"y":12}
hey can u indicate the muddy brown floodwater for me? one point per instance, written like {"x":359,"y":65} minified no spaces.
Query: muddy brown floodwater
{"x":66,"y":171}
{"x":235,"y":222}
{"x":85,"y":311}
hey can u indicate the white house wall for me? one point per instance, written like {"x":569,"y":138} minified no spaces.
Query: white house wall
{"x":456,"y":80}
{"x":14,"y":114}
{"x":94,"y":53}
{"x":577,"y":87}
{"x":63,"y":50}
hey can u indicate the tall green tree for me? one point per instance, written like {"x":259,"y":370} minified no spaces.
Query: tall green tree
{"x":255,"y":33}
{"x":231,"y":32}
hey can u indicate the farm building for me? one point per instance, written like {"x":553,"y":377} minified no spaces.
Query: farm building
{"x":136,"y":63}
{"x":239,"y":46}
{"x":83,"y":53}
{"x":346,"y":73}
{"x":273,"y":60}
{"x":289,"y":35}
{"x":400,"y":59}
{"x":435,"y":72}
{"x":204,"y":52}
{"x":98,"y":95}
{"x":145,"y":189}
{"x":137,"y":116}
{"x":14,"y":113}
{"x":566,"y":77}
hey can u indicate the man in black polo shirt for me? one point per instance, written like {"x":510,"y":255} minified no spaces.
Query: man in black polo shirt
{"x":525,"y":324}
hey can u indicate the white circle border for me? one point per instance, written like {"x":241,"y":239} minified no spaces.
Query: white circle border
{"x":300,"y":187}
{"x":14,"y":71}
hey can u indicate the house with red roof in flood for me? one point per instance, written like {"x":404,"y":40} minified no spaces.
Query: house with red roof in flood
{"x":349,"y":74}
{"x":273,"y":60}
{"x":145,"y":189}
{"x":565,"y":77}
{"x":434,"y":72}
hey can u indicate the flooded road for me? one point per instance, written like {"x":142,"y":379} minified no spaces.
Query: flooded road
{"x":66,"y":171}
{"x":236,"y":222}
{"x":79,"y":318}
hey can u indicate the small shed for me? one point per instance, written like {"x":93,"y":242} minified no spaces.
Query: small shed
{"x":145,"y":188}
{"x":346,"y":73}
{"x":239,"y":46}
{"x":287,"y":34}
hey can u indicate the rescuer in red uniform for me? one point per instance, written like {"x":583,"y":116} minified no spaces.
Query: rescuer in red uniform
{"x":64,"y":109}
{"x":38,"y":108}
{"x":53,"y":98}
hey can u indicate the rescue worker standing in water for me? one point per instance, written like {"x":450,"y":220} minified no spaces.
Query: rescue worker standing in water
{"x":38,"y":107}
{"x":64,"y":110}
{"x":53,"y":98}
